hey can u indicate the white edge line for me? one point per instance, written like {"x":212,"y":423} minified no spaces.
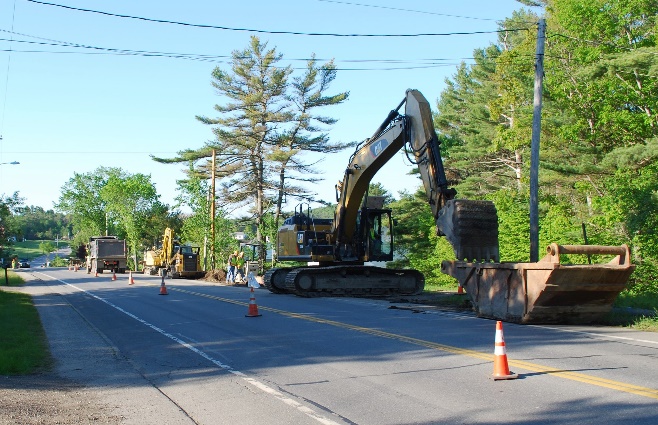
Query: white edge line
{"x":601,"y":336}
{"x":255,"y":383}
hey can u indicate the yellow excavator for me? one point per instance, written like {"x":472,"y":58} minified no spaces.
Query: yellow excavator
{"x":338,"y":249}
{"x":180,"y":261}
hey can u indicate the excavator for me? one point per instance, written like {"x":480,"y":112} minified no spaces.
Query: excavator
{"x":338,"y":251}
{"x":182,"y":261}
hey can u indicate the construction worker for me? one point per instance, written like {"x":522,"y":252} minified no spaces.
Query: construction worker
{"x":375,"y":236}
{"x":231,"y":266}
{"x":239,"y":267}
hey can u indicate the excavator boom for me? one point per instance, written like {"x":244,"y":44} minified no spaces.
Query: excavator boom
{"x":470,"y":226}
{"x":361,"y":230}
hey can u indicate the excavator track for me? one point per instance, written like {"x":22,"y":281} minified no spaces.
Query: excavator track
{"x":275,"y":280}
{"x":349,"y":280}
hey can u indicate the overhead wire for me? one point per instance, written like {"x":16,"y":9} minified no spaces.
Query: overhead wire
{"x":421,"y":63}
{"x":399,"y":9}
{"x":220,"y":27}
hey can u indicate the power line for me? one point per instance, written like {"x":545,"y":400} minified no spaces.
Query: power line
{"x":407,"y":10}
{"x":187,"y":24}
{"x":414,"y":63}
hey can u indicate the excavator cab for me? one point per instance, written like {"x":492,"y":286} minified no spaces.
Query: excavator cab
{"x":375,"y":230}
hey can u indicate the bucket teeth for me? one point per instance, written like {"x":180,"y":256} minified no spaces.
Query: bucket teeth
{"x":471,"y":227}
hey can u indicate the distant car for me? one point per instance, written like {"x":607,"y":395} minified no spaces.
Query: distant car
{"x":24,"y":264}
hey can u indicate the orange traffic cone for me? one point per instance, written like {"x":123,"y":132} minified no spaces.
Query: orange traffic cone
{"x":163,"y":288}
{"x":501,"y":368}
{"x":253,"y":308}
{"x":460,"y":289}
{"x":131,"y":281}
{"x":114,"y":276}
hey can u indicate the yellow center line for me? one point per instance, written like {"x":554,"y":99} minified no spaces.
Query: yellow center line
{"x":532,"y":367}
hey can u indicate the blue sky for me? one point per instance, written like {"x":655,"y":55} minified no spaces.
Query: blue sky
{"x":65,"y":110}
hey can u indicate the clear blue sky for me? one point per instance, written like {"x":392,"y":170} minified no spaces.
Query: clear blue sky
{"x":66,"y":110}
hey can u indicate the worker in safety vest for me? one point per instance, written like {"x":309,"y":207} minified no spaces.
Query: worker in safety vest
{"x":231,"y":267}
{"x":239,"y":267}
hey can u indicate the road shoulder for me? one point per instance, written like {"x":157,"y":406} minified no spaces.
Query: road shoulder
{"x":90,"y":381}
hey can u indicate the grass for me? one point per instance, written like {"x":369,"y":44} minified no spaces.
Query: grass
{"x":630,"y":310}
{"x":640,"y":322}
{"x":647,"y":300}
{"x":23,"y":346}
{"x":29,"y":249}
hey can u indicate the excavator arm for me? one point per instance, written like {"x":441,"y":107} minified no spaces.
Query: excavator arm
{"x":471,"y":227}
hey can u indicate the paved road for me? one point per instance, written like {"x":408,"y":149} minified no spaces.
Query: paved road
{"x":42,"y":260}
{"x":192,"y":357}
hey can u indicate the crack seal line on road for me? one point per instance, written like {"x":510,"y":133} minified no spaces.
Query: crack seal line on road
{"x":257,"y":384}
{"x":532,"y":367}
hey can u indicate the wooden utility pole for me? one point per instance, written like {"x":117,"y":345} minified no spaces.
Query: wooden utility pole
{"x":212,"y":211}
{"x":534,"y":147}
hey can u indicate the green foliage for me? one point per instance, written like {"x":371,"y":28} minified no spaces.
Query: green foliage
{"x":270,"y":118}
{"x":80,"y":198}
{"x":195,"y":229}
{"x":629,"y":214}
{"x":59,"y":262}
{"x":46,"y":247}
{"x":416,"y":244}
{"x":8,"y":205}
{"x":513,"y":225}
{"x":598,"y":139}
{"x":36,"y":223}
{"x":111,"y":201}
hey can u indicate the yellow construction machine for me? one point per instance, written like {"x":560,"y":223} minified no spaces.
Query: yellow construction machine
{"x":180,"y":261}
{"x":338,"y":251}
{"x":361,"y":230}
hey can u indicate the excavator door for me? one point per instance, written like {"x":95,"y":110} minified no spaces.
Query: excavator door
{"x":376,"y":231}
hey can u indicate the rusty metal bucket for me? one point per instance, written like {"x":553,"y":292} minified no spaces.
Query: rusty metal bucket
{"x":545,"y":291}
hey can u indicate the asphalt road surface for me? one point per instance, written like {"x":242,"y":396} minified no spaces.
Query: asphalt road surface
{"x":192,"y":357}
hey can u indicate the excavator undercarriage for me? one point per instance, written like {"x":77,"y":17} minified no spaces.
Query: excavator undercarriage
{"x":344,"y":280}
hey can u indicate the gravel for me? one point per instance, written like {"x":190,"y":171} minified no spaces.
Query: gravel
{"x":51,"y":399}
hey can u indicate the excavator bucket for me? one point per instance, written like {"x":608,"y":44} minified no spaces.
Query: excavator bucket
{"x":471,"y":227}
{"x":546,"y":291}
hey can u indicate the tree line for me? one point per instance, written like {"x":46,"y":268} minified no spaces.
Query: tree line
{"x":598,"y":151}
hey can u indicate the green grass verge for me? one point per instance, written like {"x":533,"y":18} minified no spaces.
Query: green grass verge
{"x":645,"y":300}
{"x":30,"y":249}
{"x":23,"y":346}
{"x":638,"y":316}
{"x":640,"y":322}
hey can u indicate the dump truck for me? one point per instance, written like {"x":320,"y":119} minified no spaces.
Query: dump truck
{"x":179,"y":260}
{"x":106,"y":253}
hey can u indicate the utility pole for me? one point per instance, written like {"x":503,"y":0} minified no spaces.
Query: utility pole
{"x":534,"y":147}
{"x":212,"y":211}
